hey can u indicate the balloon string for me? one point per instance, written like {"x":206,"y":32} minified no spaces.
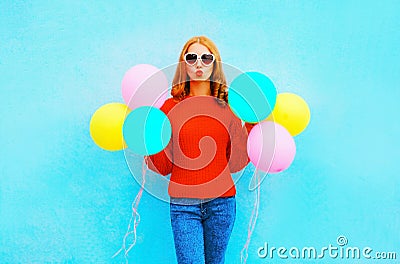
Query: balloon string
{"x":252,"y":223}
{"x":135,"y":218}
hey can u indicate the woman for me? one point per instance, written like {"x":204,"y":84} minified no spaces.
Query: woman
{"x":208,"y":144}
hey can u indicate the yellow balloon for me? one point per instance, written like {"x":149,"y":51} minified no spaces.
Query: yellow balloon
{"x":292,"y":112}
{"x":106,"y":126}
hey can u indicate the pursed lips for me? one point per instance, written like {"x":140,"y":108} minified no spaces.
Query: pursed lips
{"x":199,"y":72}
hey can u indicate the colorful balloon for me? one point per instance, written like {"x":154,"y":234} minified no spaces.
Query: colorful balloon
{"x":252,"y":96}
{"x":144,"y":85}
{"x":147,"y":130}
{"x":270,"y":147}
{"x":292,"y":112}
{"x":106,"y":126}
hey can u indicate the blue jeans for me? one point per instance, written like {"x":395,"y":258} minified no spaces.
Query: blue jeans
{"x":202,"y":228}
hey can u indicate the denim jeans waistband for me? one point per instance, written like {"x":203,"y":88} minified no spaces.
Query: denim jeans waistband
{"x":193,"y":201}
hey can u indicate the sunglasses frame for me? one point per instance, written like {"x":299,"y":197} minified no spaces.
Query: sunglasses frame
{"x":199,"y":57}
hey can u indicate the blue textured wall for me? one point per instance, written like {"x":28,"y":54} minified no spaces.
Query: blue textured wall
{"x":64,"y":200}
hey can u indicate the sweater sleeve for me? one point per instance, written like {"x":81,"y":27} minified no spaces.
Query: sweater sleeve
{"x":161,"y":162}
{"x":237,"y":147}
{"x":249,"y":126}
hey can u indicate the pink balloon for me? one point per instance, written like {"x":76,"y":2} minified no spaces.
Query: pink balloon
{"x":144,"y":85}
{"x":270,"y":147}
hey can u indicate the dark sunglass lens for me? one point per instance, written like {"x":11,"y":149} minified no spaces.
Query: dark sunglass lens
{"x":191,"y":58}
{"x":207,"y":58}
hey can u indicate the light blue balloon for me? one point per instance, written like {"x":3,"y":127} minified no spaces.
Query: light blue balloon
{"x":252,"y":96}
{"x":147,"y":130}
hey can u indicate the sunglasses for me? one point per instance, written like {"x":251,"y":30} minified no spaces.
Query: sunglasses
{"x":206,"y":59}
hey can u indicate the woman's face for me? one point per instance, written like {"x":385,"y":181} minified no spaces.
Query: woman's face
{"x":199,"y":72}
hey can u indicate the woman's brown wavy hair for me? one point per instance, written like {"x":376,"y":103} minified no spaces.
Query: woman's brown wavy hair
{"x":181,"y":81}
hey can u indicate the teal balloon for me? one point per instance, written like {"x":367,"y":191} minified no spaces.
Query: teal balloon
{"x":252,"y":96}
{"x":147,"y":130}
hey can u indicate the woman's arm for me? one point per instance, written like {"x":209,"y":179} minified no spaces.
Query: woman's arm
{"x":161,"y":162}
{"x":236,"y":151}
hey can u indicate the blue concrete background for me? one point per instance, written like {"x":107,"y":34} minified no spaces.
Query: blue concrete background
{"x":64,"y":200}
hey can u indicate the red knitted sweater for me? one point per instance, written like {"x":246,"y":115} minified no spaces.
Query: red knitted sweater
{"x":208,"y":143}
